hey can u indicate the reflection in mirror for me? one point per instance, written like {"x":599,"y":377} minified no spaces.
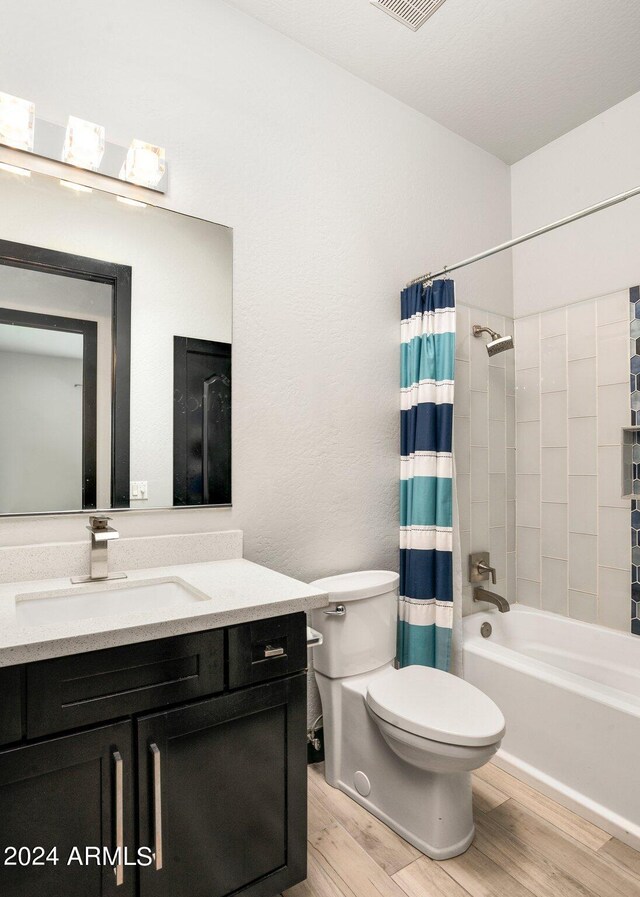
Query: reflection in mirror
{"x":98,"y":294}
{"x":201,"y":422}
{"x":47,"y":457}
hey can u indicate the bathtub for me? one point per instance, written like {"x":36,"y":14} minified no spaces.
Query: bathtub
{"x":570,"y":693}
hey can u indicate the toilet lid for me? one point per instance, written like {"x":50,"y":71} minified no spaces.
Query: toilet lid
{"x":436,"y":705}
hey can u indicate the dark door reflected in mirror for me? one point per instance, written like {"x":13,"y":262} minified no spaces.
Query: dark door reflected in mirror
{"x":201,"y":422}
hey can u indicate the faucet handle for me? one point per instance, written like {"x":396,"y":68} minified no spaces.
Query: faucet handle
{"x":480,"y":567}
{"x":485,"y":568}
{"x":98,"y":522}
{"x":100,"y":529}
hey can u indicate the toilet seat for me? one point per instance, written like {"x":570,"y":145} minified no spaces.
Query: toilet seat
{"x":436,"y":705}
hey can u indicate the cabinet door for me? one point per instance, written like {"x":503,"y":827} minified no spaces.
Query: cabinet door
{"x":66,"y":793}
{"x":223,"y":793}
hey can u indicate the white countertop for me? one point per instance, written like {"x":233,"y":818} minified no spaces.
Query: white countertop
{"x":232,"y":591}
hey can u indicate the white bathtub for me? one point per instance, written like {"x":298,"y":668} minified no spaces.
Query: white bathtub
{"x":570,"y":693}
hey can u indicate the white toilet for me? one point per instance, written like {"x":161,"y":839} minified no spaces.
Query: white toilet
{"x":402,"y":743}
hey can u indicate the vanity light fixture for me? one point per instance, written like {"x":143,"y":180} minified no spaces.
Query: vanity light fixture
{"x":132,"y":202}
{"x":83,"y":144}
{"x":144,"y":165}
{"x":17,"y":119}
{"x":13,"y":169}
{"x":79,"y":188}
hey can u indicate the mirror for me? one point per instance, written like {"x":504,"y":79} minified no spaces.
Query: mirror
{"x":115,"y":352}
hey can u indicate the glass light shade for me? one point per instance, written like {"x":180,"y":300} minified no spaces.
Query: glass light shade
{"x":144,"y":164}
{"x":83,"y":144}
{"x":17,"y":120}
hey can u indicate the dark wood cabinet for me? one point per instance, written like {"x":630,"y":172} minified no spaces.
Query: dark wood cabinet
{"x":222,"y":793}
{"x":75,"y":791}
{"x":202,"y":786}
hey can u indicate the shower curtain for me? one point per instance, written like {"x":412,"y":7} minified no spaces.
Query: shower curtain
{"x":425,"y":610}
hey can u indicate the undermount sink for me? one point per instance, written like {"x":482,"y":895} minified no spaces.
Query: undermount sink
{"x":103,"y":600}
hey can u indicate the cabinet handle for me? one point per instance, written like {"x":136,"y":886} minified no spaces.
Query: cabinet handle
{"x":273,"y":652}
{"x":157,"y":804}
{"x":119,"y":770}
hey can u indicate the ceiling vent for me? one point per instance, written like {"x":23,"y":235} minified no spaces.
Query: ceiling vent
{"x":412,"y":13}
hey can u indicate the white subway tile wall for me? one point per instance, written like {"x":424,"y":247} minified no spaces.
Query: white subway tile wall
{"x":573,"y":553}
{"x":484,"y":450}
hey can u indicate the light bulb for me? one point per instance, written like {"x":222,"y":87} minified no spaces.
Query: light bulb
{"x":17,"y":119}
{"x":83,"y":144}
{"x":144,"y":164}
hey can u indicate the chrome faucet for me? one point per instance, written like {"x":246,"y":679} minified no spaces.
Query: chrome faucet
{"x":480,"y":594}
{"x":101,"y":535}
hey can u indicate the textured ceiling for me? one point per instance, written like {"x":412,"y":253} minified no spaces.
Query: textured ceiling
{"x":509,"y":75}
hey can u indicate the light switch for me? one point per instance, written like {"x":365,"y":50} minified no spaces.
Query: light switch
{"x":138,"y":490}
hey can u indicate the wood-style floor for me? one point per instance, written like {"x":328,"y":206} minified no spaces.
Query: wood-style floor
{"x":525,"y":845}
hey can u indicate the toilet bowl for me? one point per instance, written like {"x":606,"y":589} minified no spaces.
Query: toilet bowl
{"x":402,"y":743}
{"x":434,"y":720}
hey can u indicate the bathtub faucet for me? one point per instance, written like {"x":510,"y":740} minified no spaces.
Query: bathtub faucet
{"x":501,"y":603}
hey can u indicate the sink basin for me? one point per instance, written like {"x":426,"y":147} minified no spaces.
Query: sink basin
{"x":103,"y":600}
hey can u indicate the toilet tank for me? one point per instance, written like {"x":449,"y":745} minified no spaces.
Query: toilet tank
{"x":364,"y":638}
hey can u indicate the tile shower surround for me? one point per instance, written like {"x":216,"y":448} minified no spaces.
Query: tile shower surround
{"x":572,"y":401}
{"x":484,"y":450}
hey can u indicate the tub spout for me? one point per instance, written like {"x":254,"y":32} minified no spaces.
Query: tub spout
{"x":485,"y":595}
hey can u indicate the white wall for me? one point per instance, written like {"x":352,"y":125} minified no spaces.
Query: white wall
{"x":41,"y":444}
{"x":598,"y":255}
{"x":572,"y":356}
{"x":337,"y":194}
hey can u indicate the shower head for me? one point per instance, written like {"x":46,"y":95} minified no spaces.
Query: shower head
{"x":500,"y":344}
{"x":497,"y":343}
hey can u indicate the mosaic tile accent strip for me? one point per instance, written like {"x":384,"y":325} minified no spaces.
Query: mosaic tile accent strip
{"x":634,"y":375}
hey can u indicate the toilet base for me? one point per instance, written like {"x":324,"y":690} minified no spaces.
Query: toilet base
{"x":433,"y":851}
{"x":430,"y":810}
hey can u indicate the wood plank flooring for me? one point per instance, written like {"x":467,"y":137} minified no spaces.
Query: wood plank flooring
{"x":526,"y":845}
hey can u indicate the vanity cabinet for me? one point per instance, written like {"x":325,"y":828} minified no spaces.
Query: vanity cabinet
{"x":188,"y":753}
{"x":75,"y":791}
{"x":219,"y":794}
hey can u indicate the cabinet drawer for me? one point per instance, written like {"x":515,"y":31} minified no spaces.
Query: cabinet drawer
{"x":265,"y":649}
{"x":69,"y":692}
{"x":10,"y":704}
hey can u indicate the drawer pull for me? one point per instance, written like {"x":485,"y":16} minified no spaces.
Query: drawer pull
{"x":119,"y":771}
{"x":157,"y":804}
{"x":273,"y":652}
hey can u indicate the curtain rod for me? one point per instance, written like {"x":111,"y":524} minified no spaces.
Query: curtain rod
{"x":598,"y":207}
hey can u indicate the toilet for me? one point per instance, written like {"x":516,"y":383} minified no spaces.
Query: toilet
{"x":402,"y":743}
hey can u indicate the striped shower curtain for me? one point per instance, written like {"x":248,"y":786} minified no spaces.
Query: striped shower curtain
{"x":425,"y":615}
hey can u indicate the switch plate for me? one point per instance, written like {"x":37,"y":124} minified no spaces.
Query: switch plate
{"x":138,"y":490}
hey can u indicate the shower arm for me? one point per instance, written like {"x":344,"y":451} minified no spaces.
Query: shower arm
{"x":477,"y":330}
